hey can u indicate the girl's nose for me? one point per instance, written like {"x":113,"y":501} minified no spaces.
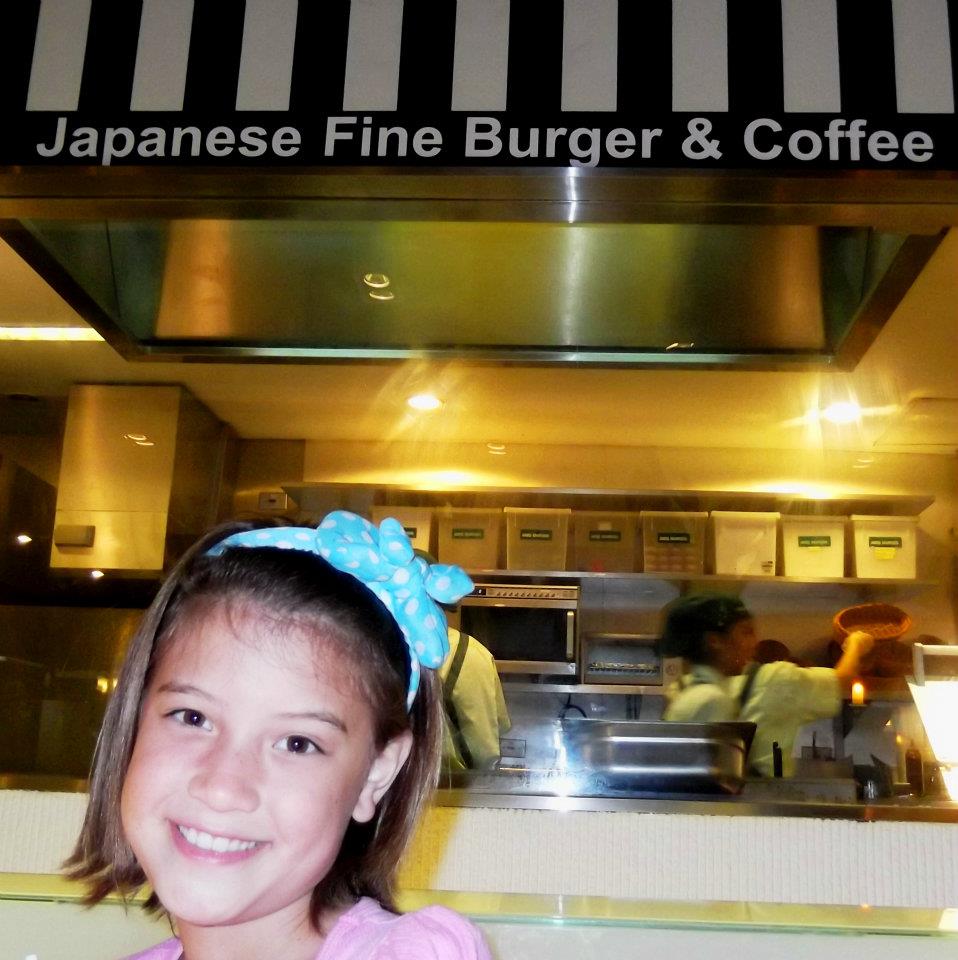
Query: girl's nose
{"x":226,"y":782}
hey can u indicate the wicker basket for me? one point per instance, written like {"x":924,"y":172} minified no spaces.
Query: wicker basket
{"x":882,"y":620}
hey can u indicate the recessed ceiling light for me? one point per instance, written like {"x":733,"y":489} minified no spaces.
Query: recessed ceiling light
{"x":135,"y":437}
{"x":842,"y":412}
{"x":381,"y":295}
{"x":145,"y":443}
{"x":424,"y":401}
{"x":865,"y":461}
{"x":497,"y":449}
{"x":49,"y":334}
{"x":24,"y":538}
{"x":97,"y":574}
{"x":378,"y":281}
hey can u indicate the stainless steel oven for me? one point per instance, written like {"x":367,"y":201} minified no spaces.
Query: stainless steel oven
{"x":528,"y":628}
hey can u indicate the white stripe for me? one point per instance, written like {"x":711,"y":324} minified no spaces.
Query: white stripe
{"x":58,"y":55}
{"x":699,"y":55}
{"x":480,"y":70}
{"x":266,"y":64}
{"x":372,"y":57}
{"x":590,"y":54}
{"x":810,"y":56}
{"x":162,"y":55}
{"x":923,"y":74}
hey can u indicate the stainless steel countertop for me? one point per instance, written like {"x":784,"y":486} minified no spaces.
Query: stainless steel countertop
{"x":717,"y":805}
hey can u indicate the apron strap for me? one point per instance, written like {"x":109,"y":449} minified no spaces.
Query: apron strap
{"x":448,"y":685}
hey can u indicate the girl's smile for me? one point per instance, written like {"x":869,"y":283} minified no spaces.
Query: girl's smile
{"x":253,"y":752}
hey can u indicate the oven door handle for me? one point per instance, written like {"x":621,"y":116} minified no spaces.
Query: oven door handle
{"x":570,"y":635}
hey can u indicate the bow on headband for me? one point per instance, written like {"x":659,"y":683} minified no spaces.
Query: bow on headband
{"x":383,"y":560}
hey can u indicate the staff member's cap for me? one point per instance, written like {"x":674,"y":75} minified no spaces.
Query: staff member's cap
{"x":691,"y":617}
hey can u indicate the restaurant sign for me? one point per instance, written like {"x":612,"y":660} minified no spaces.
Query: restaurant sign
{"x":699,"y":84}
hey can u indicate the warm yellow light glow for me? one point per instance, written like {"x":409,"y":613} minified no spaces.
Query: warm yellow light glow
{"x":24,"y":538}
{"x":858,"y":693}
{"x":381,"y":295}
{"x":377,"y":281}
{"x":937,"y":703}
{"x":424,"y":401}
{"x":497,"y":449}
{"x":97,"y":574}
{"x":799,"y":488}
{"x":842,"y":412}
{"x":55,"y":334}
{"x":145,"y":443}
{"x":103,"y":684}
{"x":135,"y":437}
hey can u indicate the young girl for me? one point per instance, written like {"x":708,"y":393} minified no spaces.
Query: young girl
{"x":270,"y":744}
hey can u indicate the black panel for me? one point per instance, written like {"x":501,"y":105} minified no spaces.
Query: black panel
{"x":535,"y":57}
{"x":866,"y":42}
{"x":428,"y":44}
{"x":319,"y":63}
{"x":215,"y":50}
{"x":110,"y":57}
{"x":645,"y":58}
{"x":755,"y":61}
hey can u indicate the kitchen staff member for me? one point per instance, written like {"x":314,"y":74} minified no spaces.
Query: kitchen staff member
{"x":474,"y":705}
{"x":715,"y":636}
{"x":476,"y":713}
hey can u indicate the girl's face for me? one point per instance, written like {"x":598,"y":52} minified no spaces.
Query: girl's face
{"x":250,"y":759}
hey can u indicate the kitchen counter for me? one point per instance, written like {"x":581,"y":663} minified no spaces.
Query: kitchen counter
{"x":824,"y":799}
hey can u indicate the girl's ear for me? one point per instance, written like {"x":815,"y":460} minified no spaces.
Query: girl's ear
{"x":385,"y":767}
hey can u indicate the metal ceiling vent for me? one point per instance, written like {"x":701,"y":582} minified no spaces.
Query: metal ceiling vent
{"x":141,"y":476}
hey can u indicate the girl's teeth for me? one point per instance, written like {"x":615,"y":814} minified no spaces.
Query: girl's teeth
{"x":206,"y":841}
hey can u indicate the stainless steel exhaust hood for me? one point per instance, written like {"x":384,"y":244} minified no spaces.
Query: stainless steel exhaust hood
{"x":141,"y":476}
{"x":761,"y":295}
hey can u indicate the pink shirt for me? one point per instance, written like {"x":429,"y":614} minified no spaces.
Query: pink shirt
{"x":367,"y":932}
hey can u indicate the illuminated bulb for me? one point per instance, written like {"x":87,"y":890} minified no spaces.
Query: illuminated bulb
{"x":842,"y":412}
{"x":103,"y":684}
{"x":497,"y":449}
{"x":381,"y":295}
{"x":24,"y":538}
{"x":135,"y":437}
{"x":377,"y":281}
{"x":858,"y":693}
{"x":97,"y":574}
{"x":145,"y":443}
{"x":424,"y":401}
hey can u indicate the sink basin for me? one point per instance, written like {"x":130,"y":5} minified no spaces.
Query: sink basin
{"x":635,"y":756}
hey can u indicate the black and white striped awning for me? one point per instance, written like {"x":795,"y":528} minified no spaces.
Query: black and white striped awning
{"x":803,"y":84}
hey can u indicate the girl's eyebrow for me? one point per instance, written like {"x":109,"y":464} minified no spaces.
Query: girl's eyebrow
{"x":320,"y":716}
{"x":174,"y":686}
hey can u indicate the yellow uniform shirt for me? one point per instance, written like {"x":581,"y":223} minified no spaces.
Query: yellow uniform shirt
{"x":480,"y":706}
{"x":783,"y":698}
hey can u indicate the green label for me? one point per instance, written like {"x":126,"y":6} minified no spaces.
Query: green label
{"x":884,"y":542}
{"x":674,"y":537}
{"x":411,"y":532}
{"x":468,"y":533}
{"x":606,"y":536}
{"x":535,"y":534}
{"x":820,"y":541}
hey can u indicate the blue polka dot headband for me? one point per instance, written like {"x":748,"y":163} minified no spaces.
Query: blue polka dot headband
{"x":383,"y":560}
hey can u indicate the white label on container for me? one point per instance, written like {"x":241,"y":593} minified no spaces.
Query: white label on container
{"x":468,"y":533}
{"x":674,"y":537}
{"x":607,"y":536}
{"x":816,"y":541}
{"x":885,"y":542}
{"x":534,"y":534}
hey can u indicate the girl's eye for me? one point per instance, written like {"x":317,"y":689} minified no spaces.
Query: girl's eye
{"x":191,"y":718}
{"x":297,"y":744}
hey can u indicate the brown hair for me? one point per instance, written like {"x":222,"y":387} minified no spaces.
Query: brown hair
{"x":304,"y":590}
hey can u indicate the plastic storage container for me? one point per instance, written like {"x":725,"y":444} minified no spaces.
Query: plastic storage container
{"x":536,"y":538}
{"x":604,"y":541}
{"x":469,"y":536}
{"x":673,"y":541}
{"x":416,"y":521}
{"x":745,"y":543}
{"x":813,"y":546}
{"x":885,"y":547}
